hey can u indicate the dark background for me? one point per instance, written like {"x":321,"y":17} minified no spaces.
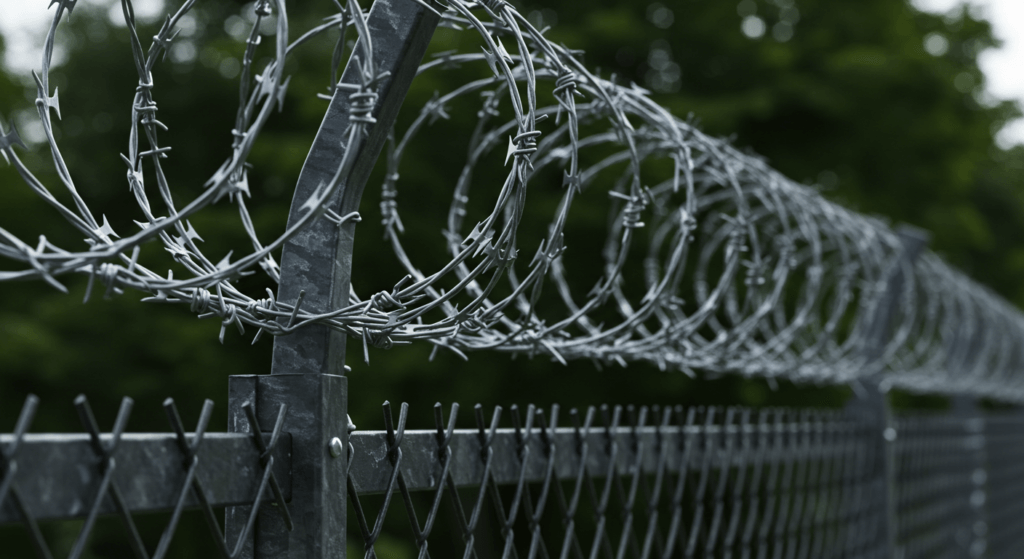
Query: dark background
{"x":837,"y":93}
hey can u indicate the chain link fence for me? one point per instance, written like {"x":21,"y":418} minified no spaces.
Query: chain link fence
{"x":604,"y":482}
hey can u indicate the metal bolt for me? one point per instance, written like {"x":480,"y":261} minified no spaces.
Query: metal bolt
{"x":336,"y":447}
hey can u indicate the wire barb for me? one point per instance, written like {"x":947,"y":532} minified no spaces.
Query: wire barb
{"x":711,"y":260}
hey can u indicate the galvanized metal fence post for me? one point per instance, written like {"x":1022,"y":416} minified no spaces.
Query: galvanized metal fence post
{"x":962,"y":357}
{"x":308,"y":367}
{"x":974,"y":536}
{"x":871,"y":405}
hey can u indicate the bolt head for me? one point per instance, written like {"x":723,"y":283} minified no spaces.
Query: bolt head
{"x":336,"y":447}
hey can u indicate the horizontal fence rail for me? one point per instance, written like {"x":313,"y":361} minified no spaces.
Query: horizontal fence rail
{"x":603,"y":482}
{"x":67,"y":474}
{"x":711,"y":482}
{"x":773,"y":435}
{"x":84,"y":476}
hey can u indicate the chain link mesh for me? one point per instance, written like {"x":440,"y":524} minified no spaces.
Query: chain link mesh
{"x":615,"y":482}
{"x":56,"y":482}
{"x":938,"y":459}
{"x":1004,"y":530}
{"x":698,"y":482}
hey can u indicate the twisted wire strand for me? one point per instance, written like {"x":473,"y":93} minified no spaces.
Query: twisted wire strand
{"x":712,"y":260}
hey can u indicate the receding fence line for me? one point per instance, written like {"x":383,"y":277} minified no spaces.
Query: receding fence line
{"x":606,"y":482}
{"x":715,"y":482}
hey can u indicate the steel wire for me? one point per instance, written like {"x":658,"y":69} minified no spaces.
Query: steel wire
{"x":712,"y":261}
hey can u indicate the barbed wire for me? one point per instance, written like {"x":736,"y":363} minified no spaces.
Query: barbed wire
{"x":712,"y":260}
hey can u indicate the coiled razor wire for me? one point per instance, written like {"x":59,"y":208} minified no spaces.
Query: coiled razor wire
{"x":713,"y":261}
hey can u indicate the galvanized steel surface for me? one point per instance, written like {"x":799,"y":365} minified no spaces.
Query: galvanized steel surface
{"x":611,"y":481}
{"x":85,"y":476}
{"x":694,"y":483}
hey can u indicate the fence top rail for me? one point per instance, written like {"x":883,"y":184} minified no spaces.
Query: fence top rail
{"x":599,"y":441}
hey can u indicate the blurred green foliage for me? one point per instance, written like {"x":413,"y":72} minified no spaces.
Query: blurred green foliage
{"x":839,"y":93}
